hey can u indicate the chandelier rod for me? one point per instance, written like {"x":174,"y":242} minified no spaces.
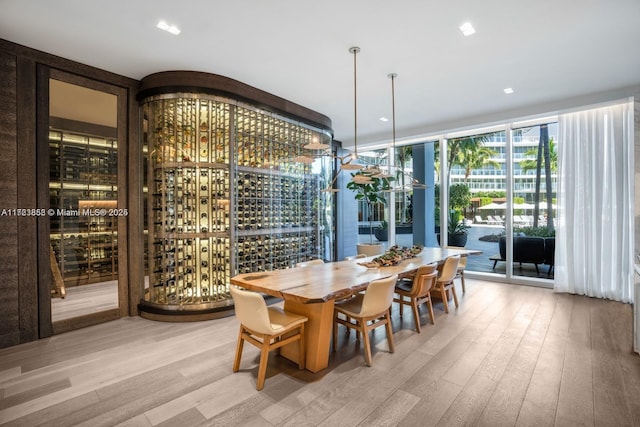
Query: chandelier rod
{"x":393,"y":76}
{"x":355,"y":51}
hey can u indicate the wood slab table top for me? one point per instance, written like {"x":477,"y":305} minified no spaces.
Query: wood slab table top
{"x":324,"y":282}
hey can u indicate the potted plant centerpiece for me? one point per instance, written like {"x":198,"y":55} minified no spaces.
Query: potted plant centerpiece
{"x":456,"y":230}
{"x":459,"y":199}
{"x":369,"y":187}
{"x":382,"y":231}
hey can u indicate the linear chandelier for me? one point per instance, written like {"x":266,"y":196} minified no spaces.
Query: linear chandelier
{"x":351,"y":162}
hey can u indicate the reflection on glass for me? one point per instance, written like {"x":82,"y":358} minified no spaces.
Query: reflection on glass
{"x":83,"y":153}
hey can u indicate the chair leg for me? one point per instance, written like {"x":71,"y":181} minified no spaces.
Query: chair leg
{"x":455,"y":294}
{"x":302,"y":356}
{"x":416,"y":313}
{"x":392,"y":347}
{"x":335,"y":331}
{"x":239,"y":346}
{"x":367,"y":346}
{"x":445,"y":301}
{"x":430,"y":307}
{"x":401,"y":301}
{"x":462,"y":281}
{"x":262,"y":369}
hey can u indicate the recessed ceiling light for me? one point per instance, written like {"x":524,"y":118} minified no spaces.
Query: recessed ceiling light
{"x":508,"y":90}
{"x":467,"y":29}
{"x":169,"y":28}
{"x":384,"y":119}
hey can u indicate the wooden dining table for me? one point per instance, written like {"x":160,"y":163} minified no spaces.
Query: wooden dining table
{"x":312,"y":290}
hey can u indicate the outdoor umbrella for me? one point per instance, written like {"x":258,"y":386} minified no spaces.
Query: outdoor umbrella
{"x":493,"y":206}
{"x":543,"y":206}
{"x":522,"y":206}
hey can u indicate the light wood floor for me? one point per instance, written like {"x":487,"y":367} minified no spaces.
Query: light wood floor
{"x":85,"y":299}
{"x":510,"y":355}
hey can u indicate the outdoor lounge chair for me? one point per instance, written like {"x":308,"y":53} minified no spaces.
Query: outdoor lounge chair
{"x":479,"y":220}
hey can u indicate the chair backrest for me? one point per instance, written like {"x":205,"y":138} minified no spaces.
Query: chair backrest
{"x":378,"y":296}
{"x":251,"y":310}
{"x":463,"y":258}
{"x":450,"y":269}
{"x":424,"y":279}
{"x":310,"y":262}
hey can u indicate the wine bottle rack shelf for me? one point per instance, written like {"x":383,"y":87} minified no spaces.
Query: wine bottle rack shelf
{"x":83,"y":174}
{"x":225,"y":197}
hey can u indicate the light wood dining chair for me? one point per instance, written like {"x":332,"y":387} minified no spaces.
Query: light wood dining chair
{"x":417,"y":291}
{"x":367,"y":311}
{"x":461,"y":267}
{"x":310,"y":262}
{"x":444,"y":283}
{"x":265,"y":328}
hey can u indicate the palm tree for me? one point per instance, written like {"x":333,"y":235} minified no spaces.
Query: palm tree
{"x":404,"y":153}
{"x":475,"y":157}
{"x":467,"y":152}
{"x":547,"y":150}
{"x":531,"y":164}
{"x":457,"y":145}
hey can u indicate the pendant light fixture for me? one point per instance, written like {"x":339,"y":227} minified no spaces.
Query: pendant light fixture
{"x":392,"y":166}
{"x":351,"y":164}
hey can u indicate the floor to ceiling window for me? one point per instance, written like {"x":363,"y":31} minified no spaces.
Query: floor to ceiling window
{"x":373,"y":219}
{"x":494,"y":190}
{"x":475,"y":177}
{"x":533,"y":199}
{"x":392,"y":223}
{"x":501,"y":197}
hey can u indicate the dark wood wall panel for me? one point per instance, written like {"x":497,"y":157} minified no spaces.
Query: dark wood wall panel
{"x":9,"y":297}
{"x":26,"y":198}
{"x":25,"y":308}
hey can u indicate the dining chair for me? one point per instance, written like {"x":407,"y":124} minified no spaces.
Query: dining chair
{"x":310,"y":262}
{"x":367,"y":311}
{"x":444,"y":283}
{"x":461,"y":266}
{"x":417,"y":291}
{"x":265,"y":327}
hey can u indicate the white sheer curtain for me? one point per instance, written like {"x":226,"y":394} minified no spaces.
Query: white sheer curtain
{"x":594,"y":236}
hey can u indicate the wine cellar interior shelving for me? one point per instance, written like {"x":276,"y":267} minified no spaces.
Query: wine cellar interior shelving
{"x":83,"y":178}
{"x":225,"y":197}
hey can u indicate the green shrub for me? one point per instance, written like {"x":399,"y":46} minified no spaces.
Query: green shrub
{"x":535,"y":231}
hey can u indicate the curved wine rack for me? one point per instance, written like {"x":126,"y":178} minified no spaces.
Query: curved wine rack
{"x":224,"y":194}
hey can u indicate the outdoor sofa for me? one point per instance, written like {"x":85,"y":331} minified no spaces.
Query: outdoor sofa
{"x":528,"y":250}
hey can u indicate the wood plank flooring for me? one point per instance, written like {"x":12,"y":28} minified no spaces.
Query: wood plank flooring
{"x":85,"y":299}
{"x":508,"y":356}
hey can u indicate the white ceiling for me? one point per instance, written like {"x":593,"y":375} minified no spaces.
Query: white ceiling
{"x":546,"y":50}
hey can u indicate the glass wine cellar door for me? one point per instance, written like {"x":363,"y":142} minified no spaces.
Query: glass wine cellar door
{"x":84,"y":211}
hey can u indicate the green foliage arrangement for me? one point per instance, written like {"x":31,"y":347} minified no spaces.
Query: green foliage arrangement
{"x":535,"y":231}
{"x":371,"y":192}
{"x":456,"y":225}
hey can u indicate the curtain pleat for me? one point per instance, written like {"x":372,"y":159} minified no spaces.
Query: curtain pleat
{"x":594,"y":235}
